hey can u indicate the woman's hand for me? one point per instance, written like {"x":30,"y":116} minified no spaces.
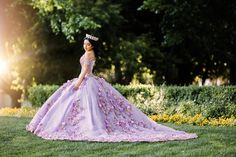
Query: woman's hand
{"x":76,"y":86}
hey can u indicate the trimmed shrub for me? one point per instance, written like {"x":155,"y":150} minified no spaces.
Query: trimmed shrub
{"x":213,"y":101}
{"x":40,"y":93}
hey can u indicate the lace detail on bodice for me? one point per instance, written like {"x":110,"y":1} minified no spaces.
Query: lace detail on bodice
{"x":84,"y":60}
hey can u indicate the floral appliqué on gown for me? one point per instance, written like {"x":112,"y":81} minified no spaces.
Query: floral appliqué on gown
{"x":96,"y":112}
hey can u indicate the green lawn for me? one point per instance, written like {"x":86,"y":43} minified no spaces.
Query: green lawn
{"x":212,"y":141}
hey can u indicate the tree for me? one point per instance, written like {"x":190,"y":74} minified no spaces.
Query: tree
{"x":199,"y":34}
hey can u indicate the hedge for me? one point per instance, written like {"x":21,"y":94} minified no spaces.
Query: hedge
{"x":211,"y":101}
{"x":40,"y":93}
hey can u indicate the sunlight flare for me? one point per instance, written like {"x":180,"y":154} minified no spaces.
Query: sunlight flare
{"x":3,"y":67}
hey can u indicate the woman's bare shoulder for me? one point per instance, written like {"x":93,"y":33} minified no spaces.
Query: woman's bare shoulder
{"x":90,"y":55}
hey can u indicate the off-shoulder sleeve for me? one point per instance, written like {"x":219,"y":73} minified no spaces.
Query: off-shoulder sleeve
{"x":87,"y":61}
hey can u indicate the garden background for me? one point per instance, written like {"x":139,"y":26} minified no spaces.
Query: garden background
{"x":174,"y":59}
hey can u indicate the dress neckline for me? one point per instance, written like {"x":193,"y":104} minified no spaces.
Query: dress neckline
{"x":89,"y":59}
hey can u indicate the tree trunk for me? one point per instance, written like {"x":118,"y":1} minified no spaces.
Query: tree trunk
{"x":118,"y":73}
{"x":233,"y":73}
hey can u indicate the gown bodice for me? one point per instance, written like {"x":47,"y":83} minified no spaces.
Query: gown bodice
{"x":86,"y":61}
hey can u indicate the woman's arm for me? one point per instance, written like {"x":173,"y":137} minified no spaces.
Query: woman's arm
{"x":81,"y":76}
{"x":85,"y":69}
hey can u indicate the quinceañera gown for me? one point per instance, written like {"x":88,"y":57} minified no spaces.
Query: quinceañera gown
{"x":96,"y":112}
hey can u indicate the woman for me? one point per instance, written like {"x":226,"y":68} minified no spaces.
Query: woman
{"x":88,"y":108}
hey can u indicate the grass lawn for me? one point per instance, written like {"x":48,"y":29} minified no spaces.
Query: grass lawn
{"x":212,"y":141}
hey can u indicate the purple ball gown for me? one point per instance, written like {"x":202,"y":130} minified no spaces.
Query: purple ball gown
{"x":96,"y":112}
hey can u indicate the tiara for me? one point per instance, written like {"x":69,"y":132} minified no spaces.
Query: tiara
{"x":91,"y":37}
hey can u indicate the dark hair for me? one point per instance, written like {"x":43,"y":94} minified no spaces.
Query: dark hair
{"x":95,"y":46}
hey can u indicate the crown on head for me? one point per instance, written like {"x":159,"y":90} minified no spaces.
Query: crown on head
{"x":92,"y":37}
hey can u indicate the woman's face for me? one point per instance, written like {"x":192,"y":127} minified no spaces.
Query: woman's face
{"x":87,"y":45}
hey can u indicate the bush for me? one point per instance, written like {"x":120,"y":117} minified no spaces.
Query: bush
{"x":40,"y":93}
{"x":213,"y":101}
